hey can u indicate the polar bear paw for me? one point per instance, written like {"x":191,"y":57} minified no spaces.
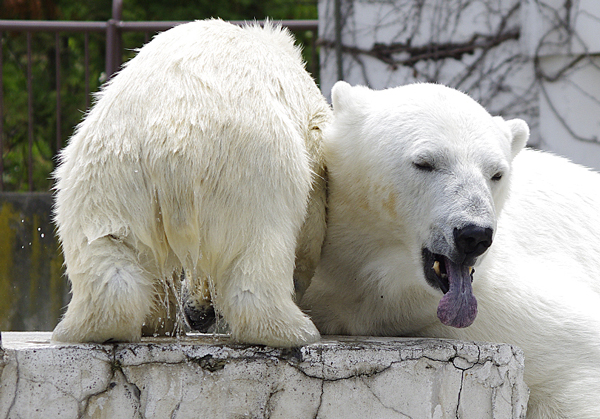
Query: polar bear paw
{"x":284,"y":331}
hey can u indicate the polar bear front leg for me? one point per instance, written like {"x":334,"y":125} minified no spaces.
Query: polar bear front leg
{"x":112,"y":293}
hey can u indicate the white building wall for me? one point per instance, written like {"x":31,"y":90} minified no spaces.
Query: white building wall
{"x":533,"y":59}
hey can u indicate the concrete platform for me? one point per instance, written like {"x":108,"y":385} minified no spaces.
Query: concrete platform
{"x":204,"y":376}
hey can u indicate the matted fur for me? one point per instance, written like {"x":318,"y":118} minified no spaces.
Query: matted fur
{"x":203,"y":153}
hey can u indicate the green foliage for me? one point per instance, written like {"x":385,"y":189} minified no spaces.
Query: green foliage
{"x":74,"y":98}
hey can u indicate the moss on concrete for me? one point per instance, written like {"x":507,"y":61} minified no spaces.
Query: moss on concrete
{"x":33,"y":289}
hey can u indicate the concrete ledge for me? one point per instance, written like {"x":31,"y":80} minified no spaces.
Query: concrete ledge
{"x":210,"y":377}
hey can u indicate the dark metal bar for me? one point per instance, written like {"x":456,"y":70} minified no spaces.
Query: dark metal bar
{"x":58,"y":113}
{"x":313,"y":55}
{"x":87,"y":26}
{"x":1,"y":114}
{"x":29,"y":114}
{"x":86,"y":46}
{"x":51,"y":26}
{"x":113,"y":39}
{"x":339,"y":59}
{"x":117,"y":15}
{"x":117,"y":10}
{"x":111,"y":33}
{"x":294,"y":25}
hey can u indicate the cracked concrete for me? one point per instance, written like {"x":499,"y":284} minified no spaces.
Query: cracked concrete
{"x":211,"y":377}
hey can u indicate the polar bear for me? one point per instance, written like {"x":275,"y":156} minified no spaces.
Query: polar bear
{"x":203,"y":156}
{"x":422,"y":182}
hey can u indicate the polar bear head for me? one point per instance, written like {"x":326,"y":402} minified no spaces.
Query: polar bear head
{"x":425,"y":169}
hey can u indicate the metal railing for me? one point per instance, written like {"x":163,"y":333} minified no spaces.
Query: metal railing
{"x":113,"y":30}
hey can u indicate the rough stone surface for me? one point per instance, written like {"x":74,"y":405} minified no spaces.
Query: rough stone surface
{"x":211,"y":377}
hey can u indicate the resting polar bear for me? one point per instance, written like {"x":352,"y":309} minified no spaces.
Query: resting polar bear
{"x":418,"y":178}
{"x":200,"y":154}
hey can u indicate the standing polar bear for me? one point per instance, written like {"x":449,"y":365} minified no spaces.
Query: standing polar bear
{"x":202,"y":154}
{"x":422,"y":182}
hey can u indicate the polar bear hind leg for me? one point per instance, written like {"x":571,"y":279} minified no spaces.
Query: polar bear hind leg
{"x":112,"y":294}
{"x":256,"y":298}
{"x":248,"y":235}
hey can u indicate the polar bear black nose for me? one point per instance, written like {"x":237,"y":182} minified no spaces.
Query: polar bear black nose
{"x":471,"y":241}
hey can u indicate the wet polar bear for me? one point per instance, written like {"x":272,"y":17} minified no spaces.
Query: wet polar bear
{"x":203,"y":154}
{"x":422,"y":181}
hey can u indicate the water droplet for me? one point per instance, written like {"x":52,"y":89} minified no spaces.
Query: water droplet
{"x":42,"y":235}
{"x":39,"y":228}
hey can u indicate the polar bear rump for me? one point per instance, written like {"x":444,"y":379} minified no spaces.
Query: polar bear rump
{"x":202,"y":156}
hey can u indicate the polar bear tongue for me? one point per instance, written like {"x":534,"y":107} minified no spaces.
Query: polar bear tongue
{"x":458,"y":307}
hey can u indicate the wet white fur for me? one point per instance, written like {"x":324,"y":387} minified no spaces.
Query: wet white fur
{"x":538,"y":286}
{"x":201,"y":153}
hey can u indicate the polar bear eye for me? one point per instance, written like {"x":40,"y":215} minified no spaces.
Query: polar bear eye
{"x":423,"y":166}
{"x":497,"y":177}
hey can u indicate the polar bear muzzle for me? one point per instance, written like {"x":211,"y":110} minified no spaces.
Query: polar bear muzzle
{"x":458,"y":306}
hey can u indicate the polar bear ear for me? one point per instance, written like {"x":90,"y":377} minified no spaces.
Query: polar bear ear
{"x":518,"y":131}
{"x":345,"y":97}
{"x":520,"y":134}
